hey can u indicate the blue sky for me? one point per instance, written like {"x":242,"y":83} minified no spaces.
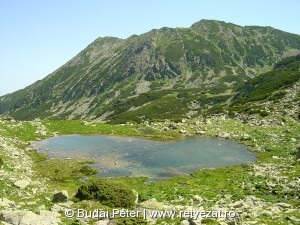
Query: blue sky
{"x":37,"y":37}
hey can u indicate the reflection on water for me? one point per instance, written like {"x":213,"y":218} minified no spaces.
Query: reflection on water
{"x":128,"y":156}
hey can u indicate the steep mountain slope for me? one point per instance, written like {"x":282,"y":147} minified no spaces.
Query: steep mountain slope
{"x":265,"y":86}
{"x":277,"y":91}
{"x":164,"y":73}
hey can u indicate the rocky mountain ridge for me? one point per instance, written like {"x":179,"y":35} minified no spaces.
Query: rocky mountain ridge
{"x":153,"y":71}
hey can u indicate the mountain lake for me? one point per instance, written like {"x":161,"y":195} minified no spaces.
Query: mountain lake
{"x":117,"y":156}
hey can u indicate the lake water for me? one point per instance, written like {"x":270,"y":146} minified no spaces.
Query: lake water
{"x":128,"y":156}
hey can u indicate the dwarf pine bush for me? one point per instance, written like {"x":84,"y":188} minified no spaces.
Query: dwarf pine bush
{"x":108,"y":192}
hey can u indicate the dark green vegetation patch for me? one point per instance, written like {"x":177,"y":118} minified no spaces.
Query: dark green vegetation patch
{"x":271,"y":84}
{"x":1,"y":162}
{"x":108,"y":192}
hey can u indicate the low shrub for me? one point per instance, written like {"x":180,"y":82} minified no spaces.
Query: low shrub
{"x":1,"y":162}
{"x":108,"y":192}
{"x":87,"y":170}
{"x":263,"y":113}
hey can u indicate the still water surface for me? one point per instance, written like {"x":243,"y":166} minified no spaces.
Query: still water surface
{"x":128,"y":156}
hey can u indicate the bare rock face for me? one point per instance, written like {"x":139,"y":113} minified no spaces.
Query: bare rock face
{"x":61,"y":196}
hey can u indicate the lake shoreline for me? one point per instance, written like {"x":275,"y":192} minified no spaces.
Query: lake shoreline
{"x":136,"y":156}
{"x":269,"y":185}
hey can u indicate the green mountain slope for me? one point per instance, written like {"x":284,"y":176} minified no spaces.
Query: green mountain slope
{"x":265,"y":86}
{"x":278,"y":89}
{"x":165,"y":73}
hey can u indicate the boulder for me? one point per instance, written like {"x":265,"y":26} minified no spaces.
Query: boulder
{"x":275,"y":157}
{"x":154,"y":204}
{"x":6,"y":203}
{"x":165,"y":128}
{"x":283,"y":205}
{"x":102,"y":222}
{"x":184,"y":222}
{"x":61,"y":196}
{"x":41,"y":207}
{"x":41,"y":132}
{"x":293,"y":139}
{"x":270,"y":184}
{"x":197,"y":198}
{"x":197,"y":123}
{"x":200,"y":132}
{"x":22,"y":183}
{"x":47,"y":213}
{"x":208,"y":122}
{"x":173,"y":126}
{"x":57,"y":208}
{"x":182,"y":131}
{"x":246,"y":137}
{"x":237,"y":204}
{"x":293,"y":219}
{"x":23,"y":217}
{"x":224,"y":135}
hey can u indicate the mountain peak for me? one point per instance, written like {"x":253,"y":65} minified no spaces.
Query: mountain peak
{"x":209,"y":23}
{"x":118,"y":78}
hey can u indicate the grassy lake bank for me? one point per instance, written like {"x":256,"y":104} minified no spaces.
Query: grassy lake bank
{"x":271,"y":181}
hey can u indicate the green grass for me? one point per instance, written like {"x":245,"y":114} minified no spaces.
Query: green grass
{"x":24,"y":131}
{"x":64,"y":127}
{"x":210,"y":184}
{"x":62,"y":173}
{"x":80,"y":127}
